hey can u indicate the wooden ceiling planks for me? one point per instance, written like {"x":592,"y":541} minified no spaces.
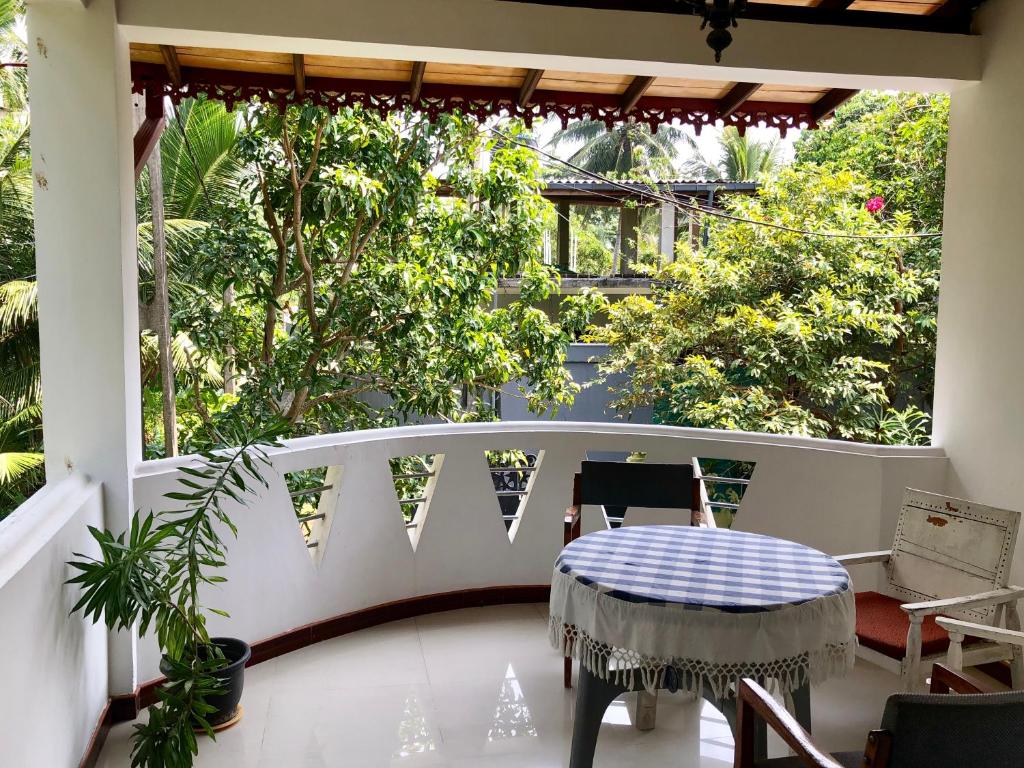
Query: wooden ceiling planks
{"x":418,"y":73}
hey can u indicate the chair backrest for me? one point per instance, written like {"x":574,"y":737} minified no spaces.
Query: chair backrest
{"x":943,"y":731}
{"x":947,"y":547}
{"x":616,"y":485}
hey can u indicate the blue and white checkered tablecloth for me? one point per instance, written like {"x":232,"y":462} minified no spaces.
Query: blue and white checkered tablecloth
{"x":642,"y":603}
{"x":701,"y":568}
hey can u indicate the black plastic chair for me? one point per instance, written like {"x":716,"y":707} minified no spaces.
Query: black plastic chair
{"x":618,"y":485}
{"x":980,"y":730}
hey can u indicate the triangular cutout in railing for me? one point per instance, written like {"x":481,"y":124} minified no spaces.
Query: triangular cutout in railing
{"x":415,"y":478}
{"x":314,"y":494}
{"x":724,"y":481}
{"x":512,"y":473}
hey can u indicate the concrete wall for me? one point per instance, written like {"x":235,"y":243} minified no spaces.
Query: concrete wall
{"x":979,"y":408}
{"x":53,"y":668}
{"x":592,"y":404}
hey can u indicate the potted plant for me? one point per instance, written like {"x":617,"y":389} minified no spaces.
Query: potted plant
{"x":151,"y":577}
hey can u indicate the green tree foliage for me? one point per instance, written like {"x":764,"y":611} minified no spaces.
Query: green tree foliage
{"x":20,"y":428}
{"x":355,"y":274}
{"x":740,"y":158}
{"x":898,"y":142}
{"x":775,"y":331}
{"x":593,"y":257}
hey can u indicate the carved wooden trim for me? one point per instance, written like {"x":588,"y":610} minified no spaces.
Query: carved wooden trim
{"x":480,"y":102}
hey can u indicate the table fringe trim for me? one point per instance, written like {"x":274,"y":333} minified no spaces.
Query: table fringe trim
{"x":624,"y":667}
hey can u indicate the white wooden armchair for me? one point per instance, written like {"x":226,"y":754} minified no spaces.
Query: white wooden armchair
{"x":1012,"y":639}
{"x":950,"y":557}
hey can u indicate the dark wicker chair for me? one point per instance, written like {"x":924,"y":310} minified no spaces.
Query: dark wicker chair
{"x":980,"y":730}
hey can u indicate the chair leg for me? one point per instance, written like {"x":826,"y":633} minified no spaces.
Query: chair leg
{"x":593,"y":695}
{"x":912,"y":661}
{"x":1017,"y":668}
{"x":955,"y":654}
{"x":567,"y":674}
{"x":801,"y":699}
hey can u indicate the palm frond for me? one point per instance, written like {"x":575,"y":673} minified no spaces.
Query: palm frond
{"x":19,"y":305}
{"x":204,"y":166}
{"x":16,"y":465}
{"x":19,"y":389}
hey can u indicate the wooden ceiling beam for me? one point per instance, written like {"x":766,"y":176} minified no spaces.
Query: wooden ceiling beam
{"x":419,"y":69}
{"x":955,"y":9}
{"x":530,"y":81}
{"x":299,"y":66}
{"x":736,"y":97}
{"x":827,"y":105}
{"x":170,"y":57}
{"x":636,"y":88}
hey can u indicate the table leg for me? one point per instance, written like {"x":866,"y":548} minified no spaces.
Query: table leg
{"x":802,"y":706}
{"x":593,"y":695}
{"x":645,"y":710}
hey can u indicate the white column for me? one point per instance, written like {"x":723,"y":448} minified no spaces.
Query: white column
{"x":668,"y":231}
{"x":979,"y":393}
{"x":86,"y":259}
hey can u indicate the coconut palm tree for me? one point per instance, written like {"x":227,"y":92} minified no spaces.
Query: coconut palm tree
{"x":622,"y":150}
{"x":740,"y":158}
{"x":20,"y":455}
{"x":197,"y":167}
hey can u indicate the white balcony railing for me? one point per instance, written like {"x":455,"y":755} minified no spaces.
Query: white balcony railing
{"x":837,"y":497}
{"x":49,"y":658}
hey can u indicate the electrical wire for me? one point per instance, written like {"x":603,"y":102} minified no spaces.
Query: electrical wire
{"x":693,"y":207}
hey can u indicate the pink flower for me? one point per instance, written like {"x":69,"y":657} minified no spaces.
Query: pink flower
{"x":875,"y":204}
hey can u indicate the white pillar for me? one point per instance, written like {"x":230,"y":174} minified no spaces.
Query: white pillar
{"x":82,"y":162}
{"x":668,"y":231}
{"x":979,"y":392}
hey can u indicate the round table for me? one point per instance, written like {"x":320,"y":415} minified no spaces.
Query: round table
{"x":696,"y":609}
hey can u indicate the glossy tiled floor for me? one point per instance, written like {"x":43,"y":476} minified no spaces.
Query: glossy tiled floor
{"x":479,"y":688}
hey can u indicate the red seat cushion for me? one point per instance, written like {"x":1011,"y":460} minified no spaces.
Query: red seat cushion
{"x":882,"y":627}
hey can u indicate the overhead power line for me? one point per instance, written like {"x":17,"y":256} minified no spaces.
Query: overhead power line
{"x":694,"y":207}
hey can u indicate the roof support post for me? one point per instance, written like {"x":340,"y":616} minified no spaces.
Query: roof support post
{"x":629,"y":234}
{"x":563,"y":236}
{"x":668,"y":231}
{"x":86,"y":262}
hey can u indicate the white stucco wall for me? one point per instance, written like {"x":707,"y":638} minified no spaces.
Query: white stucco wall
{"x":53,"y":668}
{"x":86,"y":263}
{"x":979,"y":399}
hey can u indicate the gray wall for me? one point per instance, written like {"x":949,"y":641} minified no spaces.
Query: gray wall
{"x":592,"y":404}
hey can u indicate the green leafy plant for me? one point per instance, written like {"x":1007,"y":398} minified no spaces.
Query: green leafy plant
{"x":150,"y":577}
{"x":769,"y":330}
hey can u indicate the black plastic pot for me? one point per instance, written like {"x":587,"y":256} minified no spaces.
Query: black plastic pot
{"x":232,"y":676}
